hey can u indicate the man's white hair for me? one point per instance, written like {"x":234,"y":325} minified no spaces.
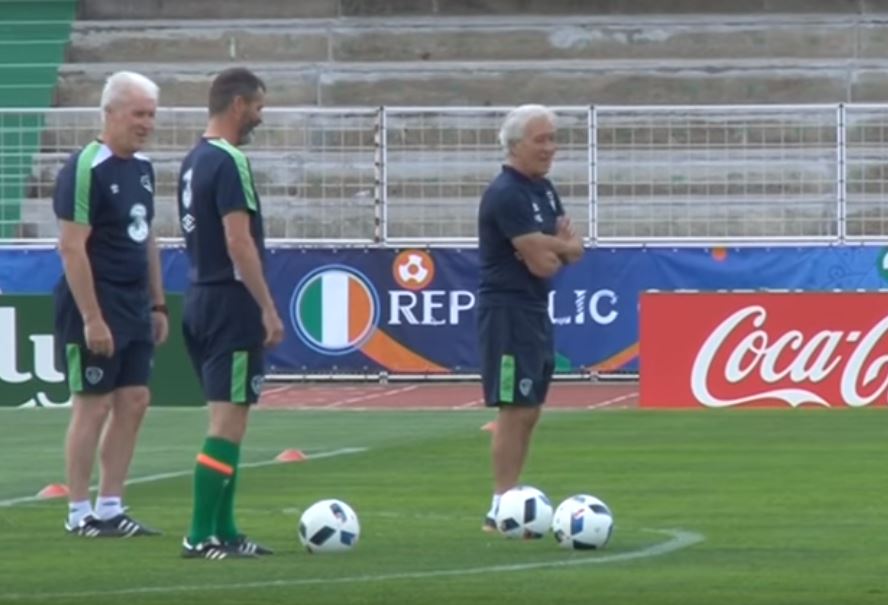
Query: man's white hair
{"x":121,"y":82}
{"x":516,"y":121}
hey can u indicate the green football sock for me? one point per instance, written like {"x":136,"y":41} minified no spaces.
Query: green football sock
{"x":226,"y":528}
{"x":216,"y":466}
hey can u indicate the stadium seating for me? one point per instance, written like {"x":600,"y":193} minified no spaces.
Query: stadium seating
{"x":476,"y":52}
{"x":336,"y":53}
{"x":33,"y":36}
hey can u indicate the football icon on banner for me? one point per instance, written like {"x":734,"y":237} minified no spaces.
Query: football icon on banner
{"x":413,"y":269}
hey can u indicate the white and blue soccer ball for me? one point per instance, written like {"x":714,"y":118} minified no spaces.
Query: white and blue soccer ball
{"x":329,"y":526}
{"x":524,"y":512}
{"x":583,"y":522}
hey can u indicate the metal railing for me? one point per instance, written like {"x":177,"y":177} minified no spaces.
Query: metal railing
{"x":395,"y":176}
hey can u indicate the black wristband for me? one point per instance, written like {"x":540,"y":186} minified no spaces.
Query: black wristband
{"x":160,"y":309}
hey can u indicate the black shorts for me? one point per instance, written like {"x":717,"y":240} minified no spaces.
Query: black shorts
{"x":517,"y":350}
{"x":126,"y":311}
{"x":223,"y":332}
{"x":93,"y":374}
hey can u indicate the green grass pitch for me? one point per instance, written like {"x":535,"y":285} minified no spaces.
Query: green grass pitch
{"x":789,"y":507}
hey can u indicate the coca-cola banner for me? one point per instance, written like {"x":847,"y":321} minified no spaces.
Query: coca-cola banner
{"x":723,"y":350}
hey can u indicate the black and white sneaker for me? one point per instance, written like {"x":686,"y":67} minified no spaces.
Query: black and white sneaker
{"x":127,"y":527}
{"x":92,"y":527}
{"x":489,"y":525}
{"x":211,"y":549}
{"x":245,"y":546}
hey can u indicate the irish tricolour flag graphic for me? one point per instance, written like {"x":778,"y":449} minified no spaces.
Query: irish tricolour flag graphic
{"x":335,"y":310}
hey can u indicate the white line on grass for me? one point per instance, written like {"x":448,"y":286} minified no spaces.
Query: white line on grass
{"x":174,"y":474}
{"x":679,"y":539}
{"x":295,"y":510}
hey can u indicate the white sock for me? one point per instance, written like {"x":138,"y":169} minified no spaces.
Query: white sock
{"x":494,"y":504}
{"x":108,"y":507}
{"x":77,"y":511}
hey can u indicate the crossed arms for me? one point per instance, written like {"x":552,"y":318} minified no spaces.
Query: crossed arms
{"x":545,"y":254}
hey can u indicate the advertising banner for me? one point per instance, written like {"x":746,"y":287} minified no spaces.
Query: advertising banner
{"x":412,"y":311}
{"x":30,"y":377}
{"x":723,"y":350}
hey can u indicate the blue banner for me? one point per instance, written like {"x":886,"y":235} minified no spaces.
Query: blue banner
{"x":359,"y":310}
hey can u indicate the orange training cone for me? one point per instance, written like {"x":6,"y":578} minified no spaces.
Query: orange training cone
{"x":291,"y":456}
{"x":53,"y":490}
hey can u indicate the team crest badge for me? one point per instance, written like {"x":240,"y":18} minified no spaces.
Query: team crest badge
{"x":256,"y":383}
{"x":93,"y":375}
{"x":525,"y":386}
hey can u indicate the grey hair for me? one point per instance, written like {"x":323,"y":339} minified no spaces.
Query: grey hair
{"x":120,"y":83}
{"x":516,"y":121}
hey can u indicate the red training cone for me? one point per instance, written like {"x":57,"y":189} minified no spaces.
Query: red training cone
{"x":53,"y":490}
{"x":291,"y":456}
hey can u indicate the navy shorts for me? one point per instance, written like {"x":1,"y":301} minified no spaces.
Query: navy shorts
{"x":126,"y":311}
{"x":517,"y":350}
{"x":93,"y":374}
{"x":223,"y":332}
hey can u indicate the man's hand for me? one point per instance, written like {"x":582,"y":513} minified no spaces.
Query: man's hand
{"x":274,"y":328}
{"x":98,"y":337}
{"x":160,"y":327}
{"x":564,"y":228}
{"x":566,"y":233}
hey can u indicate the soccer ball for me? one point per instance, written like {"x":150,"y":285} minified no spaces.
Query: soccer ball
{"x":582,"y":522}
{"x":523,"y":512}
{"x":329,"y":526}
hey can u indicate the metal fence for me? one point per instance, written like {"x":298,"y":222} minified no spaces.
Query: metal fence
{"x":704,"y":175}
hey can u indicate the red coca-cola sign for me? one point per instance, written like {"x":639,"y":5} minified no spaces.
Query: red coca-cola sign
{"x":722,"y":350}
